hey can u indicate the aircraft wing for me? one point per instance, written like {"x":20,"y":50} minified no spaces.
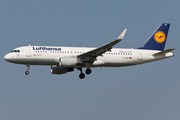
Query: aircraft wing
{"x":100,"y":50}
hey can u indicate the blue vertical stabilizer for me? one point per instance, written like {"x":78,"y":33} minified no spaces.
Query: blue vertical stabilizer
{"x":157,"y":40}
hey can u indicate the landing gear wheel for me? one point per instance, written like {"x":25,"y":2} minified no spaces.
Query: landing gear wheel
{"x":88,"y":71}
{"x":27,"y":72}
{"x":82,"y":75}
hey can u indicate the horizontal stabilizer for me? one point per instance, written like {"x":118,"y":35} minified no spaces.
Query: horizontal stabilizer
{"x":164,"y":52}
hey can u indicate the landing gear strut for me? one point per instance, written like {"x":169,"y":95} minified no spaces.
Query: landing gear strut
{"x":27,"y":72}
{"x":81,"y":75}
{"x":88,"y":70}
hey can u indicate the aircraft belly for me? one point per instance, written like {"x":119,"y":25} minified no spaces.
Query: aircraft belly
{"x":34,"y":61}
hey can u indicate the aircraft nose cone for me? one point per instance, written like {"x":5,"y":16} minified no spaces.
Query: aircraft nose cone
{"x":7,"y":57}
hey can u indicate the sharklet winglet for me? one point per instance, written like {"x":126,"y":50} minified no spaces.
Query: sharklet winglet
{"x":122,"y":35}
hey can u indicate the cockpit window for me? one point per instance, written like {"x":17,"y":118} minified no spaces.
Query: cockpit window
{"x":15,"y":51}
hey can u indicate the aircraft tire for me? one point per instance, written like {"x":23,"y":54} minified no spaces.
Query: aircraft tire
{"x":27,"y":72}
{"x":82,"y":75}
{"x":88,"y":71}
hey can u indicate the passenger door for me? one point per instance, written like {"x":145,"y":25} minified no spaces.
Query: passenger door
{"x":28,"y":51}
{"x":139,"y":55}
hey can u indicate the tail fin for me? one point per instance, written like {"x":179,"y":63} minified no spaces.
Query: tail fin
{"x":157,"y":40}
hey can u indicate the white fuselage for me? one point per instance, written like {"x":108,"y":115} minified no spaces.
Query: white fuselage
{"x":65,"y":59}
{"x":49,"y":55}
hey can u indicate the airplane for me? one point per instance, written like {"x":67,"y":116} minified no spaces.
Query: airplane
{"x":66,"y":59}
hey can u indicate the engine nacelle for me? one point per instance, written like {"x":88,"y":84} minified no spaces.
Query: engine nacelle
{"x":60,"y":70}
{"x":67,"y":62}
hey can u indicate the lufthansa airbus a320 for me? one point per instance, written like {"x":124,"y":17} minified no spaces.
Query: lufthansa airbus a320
{"x":66,"y":59}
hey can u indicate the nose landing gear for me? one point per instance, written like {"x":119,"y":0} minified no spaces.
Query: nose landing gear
{"x":27,"y":72}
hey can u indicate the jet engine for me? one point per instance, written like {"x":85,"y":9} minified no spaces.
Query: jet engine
{"x":60,"y":70}
{"x":67,"y":62}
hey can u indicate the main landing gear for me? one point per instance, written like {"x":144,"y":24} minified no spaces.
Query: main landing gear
{"x":27,"y":72}
{"x":82,"y":75}
{"x":88,"y":71}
